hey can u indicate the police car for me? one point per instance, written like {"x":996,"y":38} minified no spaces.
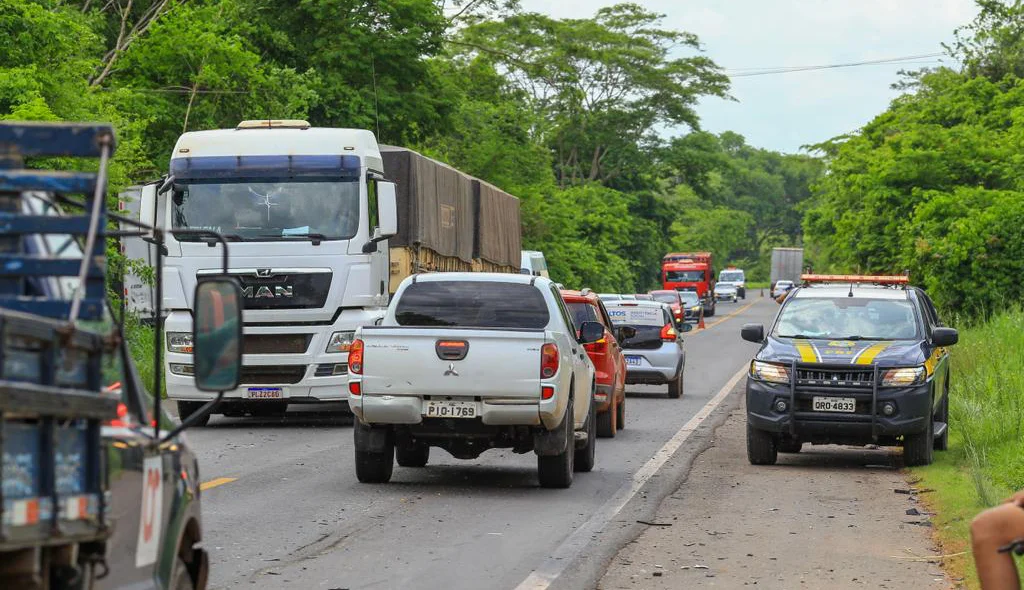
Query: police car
{"x":850,"y":360}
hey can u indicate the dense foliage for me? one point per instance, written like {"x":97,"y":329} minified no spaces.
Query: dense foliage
{"x":935,"y":183}
{"x":570,"y":115}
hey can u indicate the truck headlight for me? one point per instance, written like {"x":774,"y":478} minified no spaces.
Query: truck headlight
{"x":769,"y":372}
{"x":179,"y":342}
{"x":340,"y":342}
{"x":904,"y":377}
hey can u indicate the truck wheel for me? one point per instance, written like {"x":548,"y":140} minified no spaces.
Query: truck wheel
{"x":186,"y":409}
{"x":620,"y":419}
{"x":412,"y":455}
{"x":607,"y":421}
{"x":675,"y":387}
{"x":942,"y":443}
{"x":180,"y":578}
{"x":555,"y":471}
{"x":585,"y":457}
{"x":373,"y":466}
{"x":790,"y":446}
{"x":761,"y":447}
{"x":917,"y":448}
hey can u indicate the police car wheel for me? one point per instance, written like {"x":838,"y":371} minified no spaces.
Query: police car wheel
{"x":180,"y":578}
{"x":762,"y":447}
{"x":917,"y":448}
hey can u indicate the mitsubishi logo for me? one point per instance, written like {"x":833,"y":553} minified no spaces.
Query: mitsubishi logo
{"x":264,"y":273}
{"x":451,"y":371}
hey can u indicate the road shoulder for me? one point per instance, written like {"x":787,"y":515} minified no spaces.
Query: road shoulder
{"x":829,"y":516}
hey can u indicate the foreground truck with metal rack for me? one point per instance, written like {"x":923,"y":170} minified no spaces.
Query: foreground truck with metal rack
{"x":98,"y":488}
{"x":324,"y":225}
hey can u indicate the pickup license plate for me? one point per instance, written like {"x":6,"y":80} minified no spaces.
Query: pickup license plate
{"x":449,"y":409}
{"x":632,"y":361}
{"x":834,"y":404}
{"x":265,"y":393}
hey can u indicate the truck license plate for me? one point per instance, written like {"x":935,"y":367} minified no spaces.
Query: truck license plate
{"x":449,"y":409}
{"x":265,"y":393}
{"x":632,"y":361}
{"x":834,"y":404}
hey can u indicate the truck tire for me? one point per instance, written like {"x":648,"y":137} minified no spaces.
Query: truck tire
{"x":180,"y":578}
{"x":620,"y":419}
{"x":186,"y":409}
{"x":942,"y":442}
{"x":586,"y":456}
{"x":762,"y":448}
{"x":412,"y":455}
{"x":607,"y":421}
{"x":675,"y":386}
{"x":373,"y":466}
{"x":917,"y":448}
{"x":555,"y":471}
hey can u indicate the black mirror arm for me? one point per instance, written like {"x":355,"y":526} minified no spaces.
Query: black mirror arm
{"x":196,"y":416}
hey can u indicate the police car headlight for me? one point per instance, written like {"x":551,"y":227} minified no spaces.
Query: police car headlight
{"x":179,"y":342}
{"x":340,"y":342}
{"x":904,"y":377}
{"x":769,"y":372}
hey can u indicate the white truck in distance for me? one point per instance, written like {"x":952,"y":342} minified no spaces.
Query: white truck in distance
{"x":322,"y":222}
{"x":470,"y":362}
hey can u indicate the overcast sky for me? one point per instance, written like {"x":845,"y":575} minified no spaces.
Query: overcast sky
{"x":786,"y":111}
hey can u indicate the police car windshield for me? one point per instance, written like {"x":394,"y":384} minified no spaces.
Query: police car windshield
{"x":847,"y":318}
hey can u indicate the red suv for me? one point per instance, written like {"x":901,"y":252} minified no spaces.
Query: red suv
{"x":606,"y":354}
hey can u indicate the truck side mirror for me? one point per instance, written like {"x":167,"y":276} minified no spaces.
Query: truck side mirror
{"x":387,"y":210}
{"x":217,"y":334}
{"x":753,"y":333}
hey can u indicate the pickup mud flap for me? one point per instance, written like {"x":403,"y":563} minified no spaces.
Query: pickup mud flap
{"x":371,"y":439}
{"x":553,"y":442}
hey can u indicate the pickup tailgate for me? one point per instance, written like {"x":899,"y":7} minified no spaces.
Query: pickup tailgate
{"x":497,"y":363}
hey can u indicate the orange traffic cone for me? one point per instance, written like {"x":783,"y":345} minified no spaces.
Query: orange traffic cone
{"x":700,"y":320}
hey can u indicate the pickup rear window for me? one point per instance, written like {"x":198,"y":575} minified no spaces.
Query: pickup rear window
{"x":472,"y":304}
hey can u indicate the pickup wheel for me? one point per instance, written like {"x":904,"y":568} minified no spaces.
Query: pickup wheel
{"x":585,"y":457}
{"x":412,"y":455}
{"x":762,"y":448}
{"x":373,"y":466}
{"x":180,"y":578}
{"x":555,"y":471}
{"x":675,"y":386}
{"x":607,"y":421}
{"x":620,"y":419}
{"x":186,"y":409}
{"x":917,"y":448}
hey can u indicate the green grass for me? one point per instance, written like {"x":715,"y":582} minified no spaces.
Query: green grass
{"x":751,"y":285}
{"x":985,"y":461}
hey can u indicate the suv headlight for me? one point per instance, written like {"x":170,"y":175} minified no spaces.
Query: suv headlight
{"x":340,"y":341}
{"x":179,"y":342}
{"x":904,"y":377}
{"x":769,"y":372}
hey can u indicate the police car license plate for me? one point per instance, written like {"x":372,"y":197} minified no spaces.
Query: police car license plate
{"x":834,"y":404}
{"x":265,"y":393}
{"x":632,"y":361}
{"x":449,"y":409}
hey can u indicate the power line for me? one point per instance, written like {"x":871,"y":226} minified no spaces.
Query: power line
{"x":904,"y":60}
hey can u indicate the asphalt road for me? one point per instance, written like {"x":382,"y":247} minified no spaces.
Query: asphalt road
{"x":283,"y":508}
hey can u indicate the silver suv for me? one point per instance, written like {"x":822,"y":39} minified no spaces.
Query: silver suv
{"x":652,"y":345}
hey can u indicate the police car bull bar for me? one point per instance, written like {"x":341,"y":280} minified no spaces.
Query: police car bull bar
{"x":809,"y":279}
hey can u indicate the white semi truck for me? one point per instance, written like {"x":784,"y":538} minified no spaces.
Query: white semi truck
{"x":324,"y":225}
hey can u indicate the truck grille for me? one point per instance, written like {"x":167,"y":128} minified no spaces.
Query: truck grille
{"x":834,"y":377}
{"x":272,"y":374}
{"x":276,"y":343}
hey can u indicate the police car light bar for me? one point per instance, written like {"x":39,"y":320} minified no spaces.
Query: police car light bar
{"x":873,"y":279}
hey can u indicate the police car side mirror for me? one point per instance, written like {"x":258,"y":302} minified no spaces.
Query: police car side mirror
{"x":945,"y":337}
{"x":753,"y":333}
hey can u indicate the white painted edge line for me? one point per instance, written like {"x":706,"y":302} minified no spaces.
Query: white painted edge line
{"x":564,"y":554}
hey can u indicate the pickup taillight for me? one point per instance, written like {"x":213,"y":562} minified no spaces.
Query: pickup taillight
{"x":668,"y":333}
{"x":548,"y":360}
{"x":355,"y":358}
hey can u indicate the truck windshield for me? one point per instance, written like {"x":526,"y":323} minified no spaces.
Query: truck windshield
{"x":731,"y":276}
{"x":847,"y":319}
{"x":269,"y":211}
{"x":684,"y":276}
{"x":472,"y":304}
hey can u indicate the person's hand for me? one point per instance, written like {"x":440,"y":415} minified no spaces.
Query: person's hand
{"x":1017,"y":499}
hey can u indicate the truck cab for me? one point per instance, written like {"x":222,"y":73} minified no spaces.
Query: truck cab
{"x":691,"y":272}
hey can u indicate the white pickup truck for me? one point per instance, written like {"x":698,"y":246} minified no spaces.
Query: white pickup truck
{"x":469,"y":362}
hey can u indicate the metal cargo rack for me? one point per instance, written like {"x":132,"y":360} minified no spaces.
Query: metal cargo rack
{"x":52,"y":498}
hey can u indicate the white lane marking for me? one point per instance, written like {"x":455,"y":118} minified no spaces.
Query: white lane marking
{"x":565,"y":554}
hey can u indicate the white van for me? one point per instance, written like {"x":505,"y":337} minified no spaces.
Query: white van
{"x":533,"y":263}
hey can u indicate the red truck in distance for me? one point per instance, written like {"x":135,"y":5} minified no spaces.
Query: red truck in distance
{"x":691,"y":271}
